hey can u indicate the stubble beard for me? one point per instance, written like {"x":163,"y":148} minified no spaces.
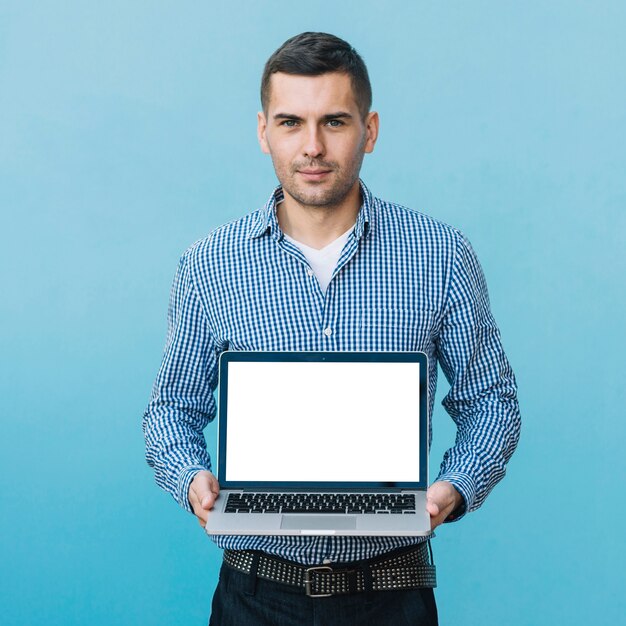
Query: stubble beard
{"x":324,"y":194}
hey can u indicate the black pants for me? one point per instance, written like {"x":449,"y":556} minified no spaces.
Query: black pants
{"x":242,"y":601}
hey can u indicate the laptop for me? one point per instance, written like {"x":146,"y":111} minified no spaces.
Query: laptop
{"x":322,"y":443}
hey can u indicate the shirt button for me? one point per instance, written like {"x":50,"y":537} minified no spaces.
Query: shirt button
{"x":309,"y":272}
{"x":328,"y":331}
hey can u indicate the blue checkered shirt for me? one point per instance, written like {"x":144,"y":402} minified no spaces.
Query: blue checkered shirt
{"x":404,"y":282}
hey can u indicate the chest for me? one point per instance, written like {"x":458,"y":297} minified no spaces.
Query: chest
{"x":276,"y":303}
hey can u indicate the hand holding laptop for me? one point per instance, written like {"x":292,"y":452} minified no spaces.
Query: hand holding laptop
{"x":203,"y":492}
{"x":441,"y":499}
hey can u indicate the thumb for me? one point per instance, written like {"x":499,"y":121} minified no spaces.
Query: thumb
{"x":209,"y":494}
{"x":432,"y":507}
{"x":432,"y":504}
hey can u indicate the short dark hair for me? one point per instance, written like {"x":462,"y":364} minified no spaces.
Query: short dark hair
{"x":313,"y":54}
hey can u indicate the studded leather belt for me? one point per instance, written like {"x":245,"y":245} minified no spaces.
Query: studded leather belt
{"x":406,"y":568}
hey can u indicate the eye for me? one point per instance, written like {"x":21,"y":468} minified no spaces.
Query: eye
{"x":335,"y":123}
{"x":288,"y":123}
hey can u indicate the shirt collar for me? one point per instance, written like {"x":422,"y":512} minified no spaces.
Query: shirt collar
{"x":267,"y":220}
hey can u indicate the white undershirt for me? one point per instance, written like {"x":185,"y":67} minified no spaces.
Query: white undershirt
{"x":324,"y":261}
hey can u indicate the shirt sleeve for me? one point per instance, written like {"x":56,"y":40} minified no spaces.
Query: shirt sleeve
{"x":482,"y":399}
{"x":182,"y":402}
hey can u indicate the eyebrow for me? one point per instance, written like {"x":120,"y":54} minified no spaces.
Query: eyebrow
{"x":325,"y":118}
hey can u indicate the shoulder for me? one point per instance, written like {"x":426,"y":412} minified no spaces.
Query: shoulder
{"x":222,"y":242}
{"x":398,"y":220}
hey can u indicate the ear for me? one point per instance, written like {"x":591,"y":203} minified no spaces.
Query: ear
{"x":371,"y":130}
{"x":261,"y":130}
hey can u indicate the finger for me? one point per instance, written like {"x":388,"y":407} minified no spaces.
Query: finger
{"x":441,"y":516}
{"x":439,"y":497}
{"x":197,"y":504}
{"x":201,"y":513}
{"x":204,"y":492}
{"x":193,"y":499}
{"x":214,"y":486}
{"x":438,"y":517}
{"x":208,"y":500}
{"x":432,"y":508}
{"x":214,"y":492}
{"x":196,"y":507}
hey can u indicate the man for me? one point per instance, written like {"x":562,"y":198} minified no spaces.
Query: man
{"x":327,"y":266}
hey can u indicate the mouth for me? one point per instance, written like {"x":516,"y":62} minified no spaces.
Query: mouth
{"x":314,"y":174}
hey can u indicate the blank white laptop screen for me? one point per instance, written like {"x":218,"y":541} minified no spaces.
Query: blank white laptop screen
{"x":303,"y":421}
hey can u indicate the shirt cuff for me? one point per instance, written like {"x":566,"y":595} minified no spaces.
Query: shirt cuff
{"x":184,"y":480}
{"x":465,"y":485}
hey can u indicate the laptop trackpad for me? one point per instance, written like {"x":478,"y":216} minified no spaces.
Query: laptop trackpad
{"x":318,"y":522}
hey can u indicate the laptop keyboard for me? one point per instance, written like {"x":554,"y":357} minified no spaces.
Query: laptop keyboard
{"x":375,"y":503}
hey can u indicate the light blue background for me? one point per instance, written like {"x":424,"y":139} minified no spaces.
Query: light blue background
{"x":127,"y":131}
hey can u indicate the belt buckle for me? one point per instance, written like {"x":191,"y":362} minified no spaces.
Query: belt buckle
{"x":308,"y":581}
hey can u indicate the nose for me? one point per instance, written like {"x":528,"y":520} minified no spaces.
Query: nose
{"x":313,"y":145}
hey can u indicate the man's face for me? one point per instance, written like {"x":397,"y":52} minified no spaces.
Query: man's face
{"x":314,"y":132}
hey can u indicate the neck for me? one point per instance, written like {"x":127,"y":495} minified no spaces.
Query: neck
{"x":317,"y":226}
